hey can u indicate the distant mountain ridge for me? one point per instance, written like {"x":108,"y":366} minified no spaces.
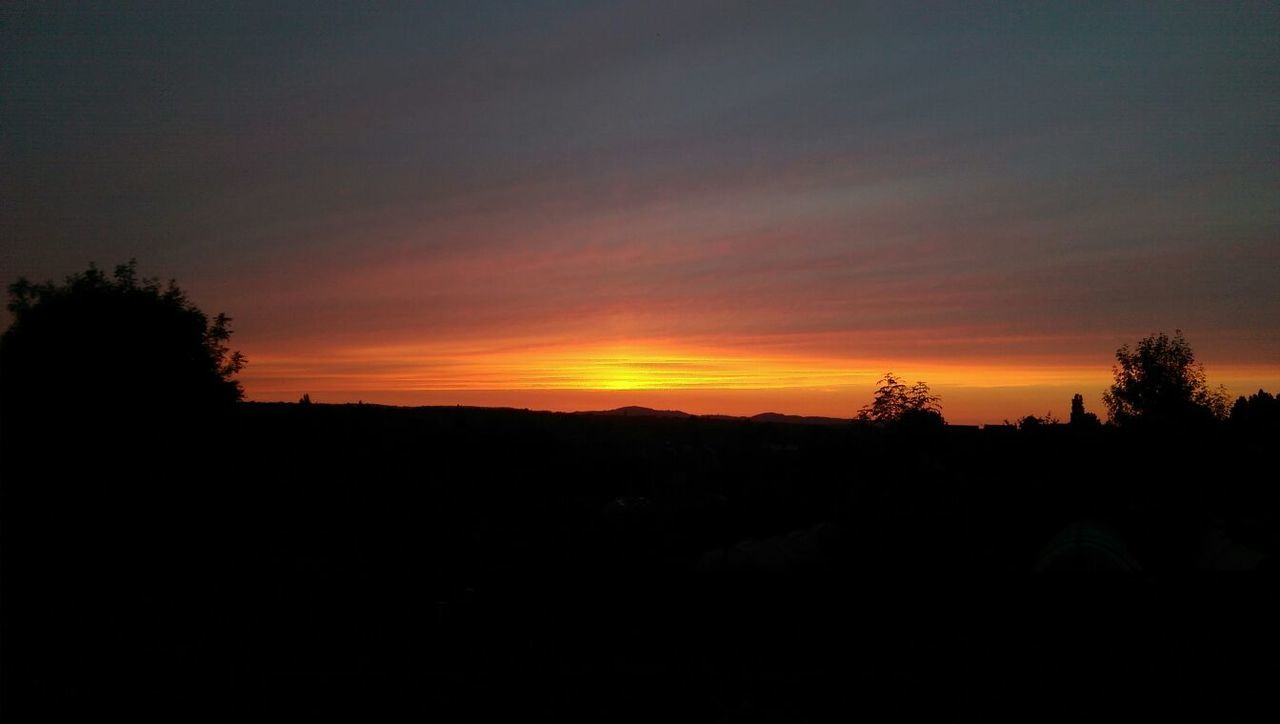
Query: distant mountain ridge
{"x":800,"y":419}
{"x":637,"y":411}
{"x":627,"y":411}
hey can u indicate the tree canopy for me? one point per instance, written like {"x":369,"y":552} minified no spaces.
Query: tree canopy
{"x":114,"y":342}
{"x":1160,"y":382}
{"x":1080,"y":418}
{"x":1259,"y":412}
{"x":895,"y":401}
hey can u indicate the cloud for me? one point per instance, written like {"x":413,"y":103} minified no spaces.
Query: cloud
{"x":805,"y":188}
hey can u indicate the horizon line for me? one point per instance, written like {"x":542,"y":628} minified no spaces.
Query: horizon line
{"x":671,"y":412}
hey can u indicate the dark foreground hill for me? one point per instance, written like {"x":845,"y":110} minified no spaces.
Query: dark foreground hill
{"x":634,"y":411}
{"x":464,"y":563}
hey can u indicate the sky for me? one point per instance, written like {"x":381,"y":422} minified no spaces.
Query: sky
{"x":716,"y":207}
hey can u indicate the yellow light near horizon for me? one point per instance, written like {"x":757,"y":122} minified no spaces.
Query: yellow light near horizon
{"x":650,"y":369}
{"x":595,"y":367}
{"x":649,"y":365}
{"x":673,"y":376}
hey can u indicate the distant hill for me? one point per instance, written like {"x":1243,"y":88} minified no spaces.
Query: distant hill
{"x":636,"y":411}
{"x":798,"y":419}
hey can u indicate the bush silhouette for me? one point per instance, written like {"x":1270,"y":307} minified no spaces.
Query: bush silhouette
{"x":98,"y":345}
{"x":1031,"y":422}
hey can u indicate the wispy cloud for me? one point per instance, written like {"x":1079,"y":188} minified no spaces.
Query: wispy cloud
{"x":686,"y":196}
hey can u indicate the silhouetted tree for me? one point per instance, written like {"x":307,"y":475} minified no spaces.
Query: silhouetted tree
{"x":99,"y":344}
{"x":1080,"y":418}
{"x":1257,"y":412}
{"x":1031,"y":422}
{"x":1160,"y":382}
{"x":114,"y":394}
{"x":894,"y":401}
{"x":306,"y":399}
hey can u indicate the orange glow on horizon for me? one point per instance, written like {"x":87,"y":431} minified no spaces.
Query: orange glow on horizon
{"x":659,"y":373}
{"x":629,"y":366}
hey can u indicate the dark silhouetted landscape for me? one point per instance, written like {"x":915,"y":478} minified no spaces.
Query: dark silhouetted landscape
{"x":651,"y":361}
{"x":167,"y":546}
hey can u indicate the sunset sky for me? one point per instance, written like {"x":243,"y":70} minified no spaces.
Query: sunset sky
{"x":715,"y":207}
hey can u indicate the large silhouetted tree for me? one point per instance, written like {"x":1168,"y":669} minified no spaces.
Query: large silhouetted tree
{"x":102,"y":344}
{"x":113,"y":453}
{"x":1160,"y":382}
